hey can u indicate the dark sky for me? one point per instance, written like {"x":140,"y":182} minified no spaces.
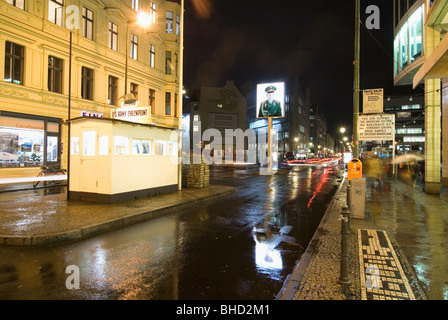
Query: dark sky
{"x":254,"y":41}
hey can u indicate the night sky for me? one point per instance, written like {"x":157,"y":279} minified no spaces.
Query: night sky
{"x":255,"y":41}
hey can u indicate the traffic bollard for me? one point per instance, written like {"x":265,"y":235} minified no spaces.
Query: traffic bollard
{"x":345,"y":231}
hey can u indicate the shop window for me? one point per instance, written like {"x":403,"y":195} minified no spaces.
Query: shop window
{"x":121,"y":145}
{"x":160,"y":148}
{"x":88,"y":143}
{"x":14,"y":55}
{"x":22,"y":142}
{"x":103,"y":146}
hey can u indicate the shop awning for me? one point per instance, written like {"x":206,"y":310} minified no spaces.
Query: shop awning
{"x":435,"y":66}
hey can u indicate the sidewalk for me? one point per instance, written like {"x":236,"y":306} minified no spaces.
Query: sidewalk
{"x":26,"y":223}
{"x":378,"y":269}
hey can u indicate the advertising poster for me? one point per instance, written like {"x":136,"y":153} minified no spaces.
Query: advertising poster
{"x":271,"y":100}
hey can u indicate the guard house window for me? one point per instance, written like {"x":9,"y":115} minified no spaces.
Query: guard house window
{"x":112,"y":90}
{"x":87,"y":22}
{"x":177,"y":25}
{"x":113,"y":36}
{"x":152,"y":100}
{"x":152,"y":56}
{"x":134,"y":46}
{"x":17,"y":3}
{"x":134,"y":90}
{"x":55,"y":74}
{"x":169,"y":22}
{"x":14,"y":54}
{"x":55,"y":11}
{"x":153,"y":12}
{"x":135,"y":4}
{"x":87,"y":83}
{"x":168,"y":103}
{"x":168,"y":62}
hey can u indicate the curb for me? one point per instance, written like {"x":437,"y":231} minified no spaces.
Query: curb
{"x":292,"y":281}
{"x":96,"y":229}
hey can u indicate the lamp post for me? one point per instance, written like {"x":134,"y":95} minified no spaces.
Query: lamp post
{"x":342,"y":130}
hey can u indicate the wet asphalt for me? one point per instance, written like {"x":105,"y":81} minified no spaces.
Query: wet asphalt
{"x":240,"y":246}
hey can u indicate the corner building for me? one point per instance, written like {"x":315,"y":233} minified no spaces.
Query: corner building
{"x":111,"y":54}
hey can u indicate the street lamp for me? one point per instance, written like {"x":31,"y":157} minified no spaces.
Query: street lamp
{"x":342,"y":130}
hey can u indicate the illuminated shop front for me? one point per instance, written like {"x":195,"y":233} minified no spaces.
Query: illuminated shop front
{"x":408,"y":41}
{"x":28,"y":140}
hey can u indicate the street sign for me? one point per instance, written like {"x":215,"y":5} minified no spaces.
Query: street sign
{"x":372,"y":101}
{"x":376,"y":127}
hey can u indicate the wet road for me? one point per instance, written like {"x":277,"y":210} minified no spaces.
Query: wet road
{"x":235,"y":247}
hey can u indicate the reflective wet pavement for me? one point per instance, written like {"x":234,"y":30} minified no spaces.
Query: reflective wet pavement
{"x":240,"y":246}
{"x":419,"y":224}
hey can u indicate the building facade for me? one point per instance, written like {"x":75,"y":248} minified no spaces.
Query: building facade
{"x":318,"y":130}
{"x":65,"y":59}
{"x":431,"y":74}
{"x":218,"y":109}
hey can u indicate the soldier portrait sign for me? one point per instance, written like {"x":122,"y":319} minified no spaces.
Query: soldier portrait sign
{"x":270,"y":100}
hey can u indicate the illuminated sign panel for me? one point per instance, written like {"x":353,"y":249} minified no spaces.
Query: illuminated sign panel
{"x":271,"y":100}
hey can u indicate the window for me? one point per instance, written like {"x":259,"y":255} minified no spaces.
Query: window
{"x":113,"y":36}
{"x":55,"y":11}
{"x":74,"y":149}
{"x":159,"y":148}
{"x":87,"y":23}
{"x":135,"y":5}
{"x":14,"y":54}
{"x":136,"y":147}
{"x":175,"y":105}
{"x":134,"y":46}
{"x":146,"y":147}
{"x":169,"y":22}
{"x":112,"y":90}
{"x":176,"y":64}
{"x":168,"y":62}
{"x":55,"y":74}
{"x":153,"y":12}
{"x":17,"y":3}
{"x":87,"y":83}
{"x":134,"y":90}
{"x":168,"y":103}
{"x":172,"y":148}
{"x":152,"y":100}
{"x":177,"y":25}
{"x":121,"y":145}
{"x":88,"y":143}
{"x":152,"y":56}
{"x":103,"y":146}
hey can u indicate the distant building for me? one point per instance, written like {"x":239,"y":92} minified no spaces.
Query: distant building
{"x":318,"y":130}
{"x":217,"y":108}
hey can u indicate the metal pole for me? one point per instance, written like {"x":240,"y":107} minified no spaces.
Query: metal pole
{"x":356,"y":89}
{"x":126,"y":62}
{"x":68,"y":116}
{"x":345,"y":231}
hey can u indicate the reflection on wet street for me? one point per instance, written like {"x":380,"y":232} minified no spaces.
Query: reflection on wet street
{"x":240,"y":246}
{"x":419,"y":224}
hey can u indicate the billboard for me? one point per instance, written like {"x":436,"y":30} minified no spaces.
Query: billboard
{"x":271,"y":100}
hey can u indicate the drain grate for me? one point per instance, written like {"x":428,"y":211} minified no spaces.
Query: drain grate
{"x":382,"y":277}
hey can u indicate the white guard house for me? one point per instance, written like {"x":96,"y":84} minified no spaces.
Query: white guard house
{"x":113,"y":160}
